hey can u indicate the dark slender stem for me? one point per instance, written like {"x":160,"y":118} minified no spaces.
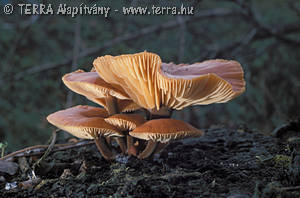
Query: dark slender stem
{"x":160,"y":147}
{"x":103,"y":148}
{"x":111,"y":105}
{"x":147,"y":113}
{"x":131,"y":149}
{"x":121,"y":142}
{"x":112,"y":108}
{"x":148,"y":151}
{"x":108,"y":140}
{"x":163,"y":112}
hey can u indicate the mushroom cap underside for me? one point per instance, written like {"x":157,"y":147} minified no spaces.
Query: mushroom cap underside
{"x":213,"y":81}
{"x":135,"y":73}
{"x":164,"y":130}
{"x":152,"y":84}
{"x":91,"y":85}
{"x":84,"y":122}
{"x":126,"y":122}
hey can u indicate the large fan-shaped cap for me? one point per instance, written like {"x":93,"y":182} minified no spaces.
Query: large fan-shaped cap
{"x":164,"y":130}
{"x":135,"y":73}
{"x":213,"y":81}
{"x":84,"y":122}
{"x":152,"y":84}
{"x":126,"y":122}
{"x":91,"y":85}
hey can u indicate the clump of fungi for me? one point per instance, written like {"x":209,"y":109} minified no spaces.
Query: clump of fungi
{"x":138,"y":93}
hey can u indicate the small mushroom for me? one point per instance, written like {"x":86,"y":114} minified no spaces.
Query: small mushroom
{"x":126,"y":122}
{"x":97,"y":90}
{"x":88,"y":123}
{"x":92,"y":86}
{"x":162,"y":131}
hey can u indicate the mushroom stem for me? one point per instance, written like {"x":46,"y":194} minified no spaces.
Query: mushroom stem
{"x":151,"y":146}
{"x":102,"y":147}
{"x":111,"y":105}
{"x":112,"y":108}
{"x":147,"y":114}
{"x":163,"y":112}
{"x":108,"y":140}
{"x":160,"y":147}
{"x":121,"y":142}
{"x":131,"y":149}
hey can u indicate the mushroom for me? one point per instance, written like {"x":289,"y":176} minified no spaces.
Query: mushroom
{"x":133,"y":81}
{"x":212,"y":81}
{"x":160,"y":87}
{"x":160,"y":131}
{"x":127,"y":122}
{"x":136,"y":74}
{"x":90,"y":85}
{"x":97,"y":90}
{"x":88,"y":123}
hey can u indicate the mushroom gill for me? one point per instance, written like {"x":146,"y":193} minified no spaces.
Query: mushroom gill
{"x":125,"y":123}
{"x":160,"y":132}
{"x":88,"y":123}
{"x":135,"y":73}
{"x":94,"y":88}
{"x":133,"y":81}
{"x":213,"y":81}
{"x":155,"y":85}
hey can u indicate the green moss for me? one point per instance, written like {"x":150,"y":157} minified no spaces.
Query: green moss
{"x":282,"y":161}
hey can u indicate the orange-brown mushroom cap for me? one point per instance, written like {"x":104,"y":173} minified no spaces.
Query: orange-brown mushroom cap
{"x":152,"y":84}
{"x":126,"y":122}
{"x":94,"y":88}
{"x":164,"y":130}
{"x":91,"y":85}
{"x":84,"y":122}
{"x":212,"y":81}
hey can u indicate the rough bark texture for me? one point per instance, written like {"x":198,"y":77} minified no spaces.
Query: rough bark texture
{"x":223,"y":163}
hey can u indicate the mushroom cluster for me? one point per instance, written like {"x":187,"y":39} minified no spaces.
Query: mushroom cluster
{"x":138,"y":93}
